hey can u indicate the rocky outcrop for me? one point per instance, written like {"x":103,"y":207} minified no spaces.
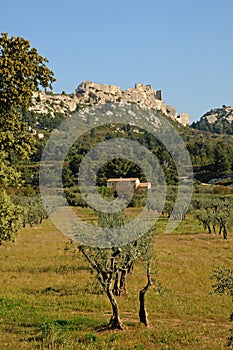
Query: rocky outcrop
{"x":89,"y":93}
{"x":217,"y":120}
{"x":224,"y":113}
{"x":44,"y":103}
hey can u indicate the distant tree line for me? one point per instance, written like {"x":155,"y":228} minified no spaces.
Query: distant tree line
{"x":215,"y":213}
{"x":211,"y":156}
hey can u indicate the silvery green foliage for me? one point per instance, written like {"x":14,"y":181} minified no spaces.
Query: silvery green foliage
{"x":224,"y":285}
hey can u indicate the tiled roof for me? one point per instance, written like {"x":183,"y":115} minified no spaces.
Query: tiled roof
{"x":144,"y":184}
{"x":123,"y":179}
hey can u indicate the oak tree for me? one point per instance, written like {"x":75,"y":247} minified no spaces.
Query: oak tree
{"x":22,"y":72}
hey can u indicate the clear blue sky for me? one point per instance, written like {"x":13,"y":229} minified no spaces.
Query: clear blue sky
{"x":183,"y":47}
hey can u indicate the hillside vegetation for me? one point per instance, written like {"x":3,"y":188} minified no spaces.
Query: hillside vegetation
{"x":211,"y":154}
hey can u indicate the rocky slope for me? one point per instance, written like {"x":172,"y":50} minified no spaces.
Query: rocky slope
{"x":217,"y":120}
{"x":89,"y":93}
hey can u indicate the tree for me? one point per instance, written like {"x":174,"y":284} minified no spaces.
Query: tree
{"x":223,"y":215}
{"x":108,"y":263}
{"x":33,"y":210}
{"x":105,"y":263}
{"x":10,"y":214}
{"x":112,"y":266}
{"x":142,"y":310}
{"x":224,"y":285}
{"x":10,"y":218}
{"x":215,"y":212}
{"x":22,"y":72}
{"x":206,"y":216}
{"x":222,"y":157}
{"x":146,"y":257}
{"x":8,"y":174}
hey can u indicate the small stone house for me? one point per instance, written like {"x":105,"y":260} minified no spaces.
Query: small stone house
{"x":128,"y":183}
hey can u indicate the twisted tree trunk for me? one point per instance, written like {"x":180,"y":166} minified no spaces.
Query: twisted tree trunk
{"x":123,"y":288}
{"x":116,"y":289}
{"x":115,"y":321}
{"x":119,"y":287}
{"x":224,"y":232}
{"x":142,"y":311}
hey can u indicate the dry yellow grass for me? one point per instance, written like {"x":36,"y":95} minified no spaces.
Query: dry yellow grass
{"x":50,"y":300}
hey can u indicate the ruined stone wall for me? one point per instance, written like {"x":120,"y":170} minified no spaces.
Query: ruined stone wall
{"x":92,"y":93}
{"x":184,"y":119}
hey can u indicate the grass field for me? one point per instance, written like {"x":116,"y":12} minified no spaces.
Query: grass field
{"x":50,"y":300}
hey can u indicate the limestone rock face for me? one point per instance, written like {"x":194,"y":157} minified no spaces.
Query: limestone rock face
{"x":89,"y":93}
{"x":217,"y":120}
{"x":224,"y":113}
{"x":43,"y":103}
{"x":216,"y":114}
{"x":212,"y":118}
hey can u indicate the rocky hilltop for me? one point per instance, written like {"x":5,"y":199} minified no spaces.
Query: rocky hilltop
{"x":217,"y":120}
{"x":89,"y":93}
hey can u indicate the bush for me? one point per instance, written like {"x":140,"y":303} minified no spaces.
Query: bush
{"x":220,"y":189}
{"x":74,"y":197}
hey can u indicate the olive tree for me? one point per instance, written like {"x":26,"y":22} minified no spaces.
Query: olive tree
{"x":224,"y":285}
{"x":33,"y":210}
{"x":112,"y":265}
{"x":108,"y":263}
{"x":215,"y":213}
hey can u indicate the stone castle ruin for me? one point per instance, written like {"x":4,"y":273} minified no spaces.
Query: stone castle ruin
{"x":89,"y":93}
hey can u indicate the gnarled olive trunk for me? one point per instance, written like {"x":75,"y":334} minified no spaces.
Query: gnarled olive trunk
{"x":115,"y":321}
{"x":116,"y":289}
{"x":142,"y":310}
{"x":123,"y":288}
{"x":224,"y":232}
{"x":119,"y":287}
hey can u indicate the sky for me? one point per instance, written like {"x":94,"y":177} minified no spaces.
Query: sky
{"x":183,"y":47}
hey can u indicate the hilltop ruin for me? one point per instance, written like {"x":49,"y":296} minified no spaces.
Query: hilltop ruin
{"x":89,"y":93}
